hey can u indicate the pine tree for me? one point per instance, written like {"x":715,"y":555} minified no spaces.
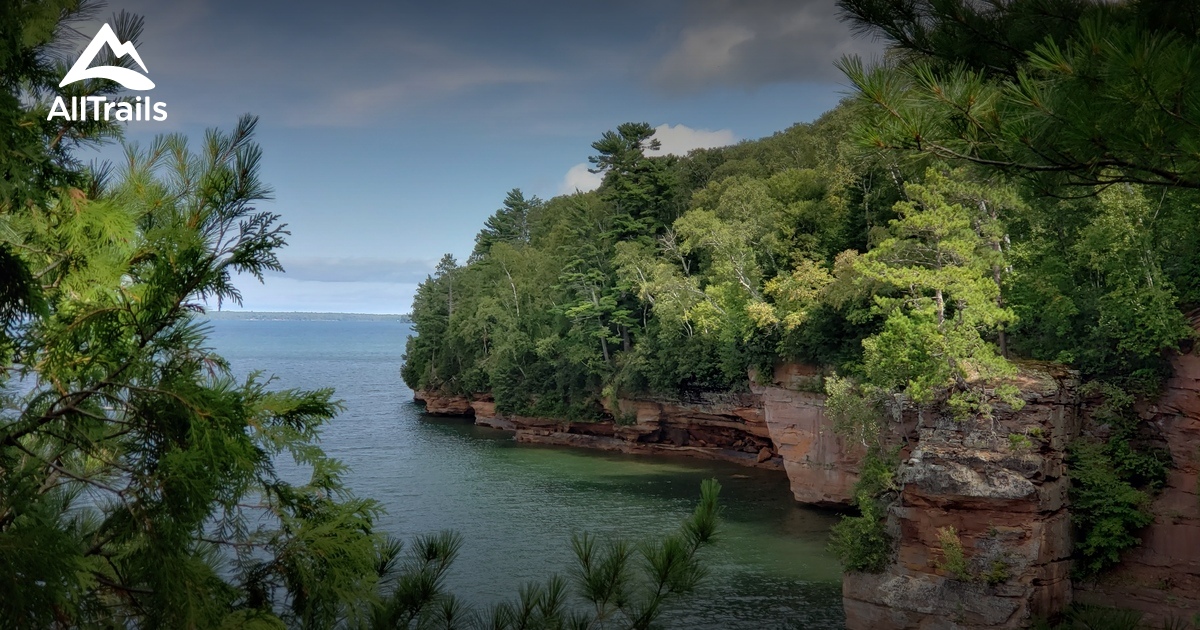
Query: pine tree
{"x":1063,"y":92}
{"x":509,"y":224}
{"x":933,"y":280}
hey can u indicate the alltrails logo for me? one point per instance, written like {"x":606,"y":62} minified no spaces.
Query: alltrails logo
{"x":99,"y":107}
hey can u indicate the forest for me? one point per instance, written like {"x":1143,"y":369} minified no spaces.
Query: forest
{"x":1015,"y":182}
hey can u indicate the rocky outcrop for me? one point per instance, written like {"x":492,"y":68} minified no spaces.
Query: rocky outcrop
{"x":778,"y":425}
{"x":1001,"y":484}
{"x":822,"y":467}
{"x":1161,"y":578}
{"x":717,"y":426}
{"x":443,"y":405}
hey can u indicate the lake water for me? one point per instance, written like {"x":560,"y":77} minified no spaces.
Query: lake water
{"x":516,"y":505}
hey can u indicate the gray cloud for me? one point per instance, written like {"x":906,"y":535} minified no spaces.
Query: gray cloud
{"x":748,"y":43}
{"x":356,"y":270}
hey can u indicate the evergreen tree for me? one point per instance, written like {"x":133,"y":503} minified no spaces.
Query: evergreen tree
{"x":1065,"y":92}
{"x":510,"y":224}
{"x":932,"y":279}
{"x":642,"y":189}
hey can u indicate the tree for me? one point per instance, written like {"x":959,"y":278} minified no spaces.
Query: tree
{"x":510,"y":224}
{"x":932,"y":279}
{"x":641,"y":189}
{"x":138,"y":482}
{"x":1072,"y":92}
{"x":136,"y":456}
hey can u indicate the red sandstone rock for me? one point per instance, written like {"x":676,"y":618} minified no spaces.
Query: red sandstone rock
{"x":1161,"y":577}
{"x":1008,"y":508}
{"x":443,"y":405}
{"x":821,"y":467}
{"x":771,"y":427}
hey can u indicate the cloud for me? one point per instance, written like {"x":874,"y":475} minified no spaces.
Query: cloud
{"x":440,"y":78}
{"x":747,"y":43}
{"x":580,"y":179}
{"x":302,"y":70}
{"x":290,"y":294}
{"x":681,"y":139}
{"x":350,"y":270}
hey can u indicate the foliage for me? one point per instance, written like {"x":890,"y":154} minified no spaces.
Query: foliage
{"x":617,"y":584}
{"x":1073,"y":93}
{"x":861,"y":542}
{"x":954,"y":559}
{"x":998,"y":573}
{"x":677,"y":274}
{"x":935,"y":280}
{"x":1089,"y":106}
{"x":1019,"y":442}
{"x":510,"y":224}
{"x":1107,"y":510}
{"x":1112,"y":481}
{"x":857,"y":415}
{"x":135,"y":454}
{"x":138,"y":477}
{"x":970,"y":204}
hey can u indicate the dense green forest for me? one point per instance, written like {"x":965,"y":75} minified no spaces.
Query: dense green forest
{"x":1016,"y":181}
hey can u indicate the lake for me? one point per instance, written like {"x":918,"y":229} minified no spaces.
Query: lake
{"x":516,"y":505}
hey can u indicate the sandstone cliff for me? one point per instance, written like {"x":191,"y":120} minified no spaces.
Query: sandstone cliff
{"x":821,"y":466}
{"x":719,"y":426}
{"x":1005,"y":497}
{"x":1001,"y":484}
{"x":779,"y":425}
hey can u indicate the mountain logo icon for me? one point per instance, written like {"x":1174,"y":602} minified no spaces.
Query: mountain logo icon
{"x":126,"y":77}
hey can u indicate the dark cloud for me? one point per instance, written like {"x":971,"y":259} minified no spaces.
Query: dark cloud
{"x":307,"y":64}
{"x":357,"y":270}
{"x":747,"y":43}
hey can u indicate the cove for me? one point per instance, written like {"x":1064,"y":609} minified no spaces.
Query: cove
{"x":516,"y":505}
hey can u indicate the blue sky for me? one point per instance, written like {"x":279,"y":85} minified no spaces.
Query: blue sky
{"x":391,"y":130}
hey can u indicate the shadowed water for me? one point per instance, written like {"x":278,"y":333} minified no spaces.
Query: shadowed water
{"x":516,"y":505}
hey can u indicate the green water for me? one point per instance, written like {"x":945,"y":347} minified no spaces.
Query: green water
{"x":516,"y":505}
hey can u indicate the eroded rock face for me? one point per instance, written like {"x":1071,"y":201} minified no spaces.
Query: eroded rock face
{"x":777,"y":426}
{"x":443,"y":405}
{"x":822,"y":467}
{"x":1006,"y":497}
{"x":719,"y":426}
{"x":1161,"y":578}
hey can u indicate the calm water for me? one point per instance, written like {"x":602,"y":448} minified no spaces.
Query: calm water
{"x":516,"y":505}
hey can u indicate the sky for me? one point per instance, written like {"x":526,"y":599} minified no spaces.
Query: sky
{"x":391,"y":130}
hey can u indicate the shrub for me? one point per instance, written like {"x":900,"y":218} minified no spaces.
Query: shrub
{"x":954,"y":559}
{"x":1106,"y":509}
{"x":862,"y":542}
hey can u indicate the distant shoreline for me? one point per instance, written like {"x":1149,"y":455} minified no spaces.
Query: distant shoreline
{"x":300,"y":316}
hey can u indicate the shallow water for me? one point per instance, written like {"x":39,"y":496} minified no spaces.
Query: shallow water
{"x":516,"y":505}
